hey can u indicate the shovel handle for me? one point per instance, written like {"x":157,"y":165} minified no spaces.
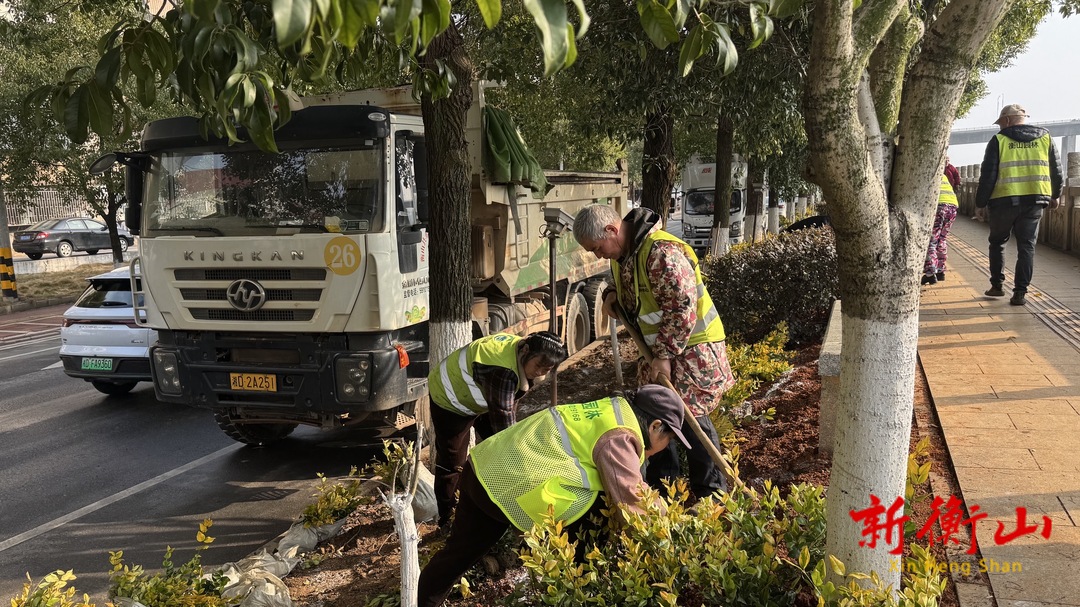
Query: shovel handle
{"x":646,"y":352}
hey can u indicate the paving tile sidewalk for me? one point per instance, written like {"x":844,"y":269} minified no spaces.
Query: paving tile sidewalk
{"x":1005,"y":381}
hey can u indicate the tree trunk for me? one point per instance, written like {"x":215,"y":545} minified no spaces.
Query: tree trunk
{"x":658,"y":161}
{"x":881,"y":229}
{"x":725,"y":150}
{"x":755,"y":198}
{"x":450,"y":183}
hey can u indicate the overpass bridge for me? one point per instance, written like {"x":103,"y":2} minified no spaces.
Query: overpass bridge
{"x":1068,"y":130}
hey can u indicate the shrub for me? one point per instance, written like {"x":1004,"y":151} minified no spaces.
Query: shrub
{"x":51,"y":591}
{"x":334,"y":500}
{"x":791,"y":278}
{"x":743,"y":548}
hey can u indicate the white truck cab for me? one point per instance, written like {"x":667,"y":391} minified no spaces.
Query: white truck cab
{"x":699,"y":183}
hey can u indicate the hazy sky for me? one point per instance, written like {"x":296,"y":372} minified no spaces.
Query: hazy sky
{"x":1043,"y":80}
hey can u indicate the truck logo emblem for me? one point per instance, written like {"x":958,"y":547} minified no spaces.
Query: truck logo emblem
{"x":246,"y":295}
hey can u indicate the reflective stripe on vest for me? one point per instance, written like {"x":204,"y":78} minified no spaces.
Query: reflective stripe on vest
{"x":545,"y":461}
{"x":707,"y":328}
{"x":947,"y":195}
{"x":1023,"y":167}
{"x":451,"y":384}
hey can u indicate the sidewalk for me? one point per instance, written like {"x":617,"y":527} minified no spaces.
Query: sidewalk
{"x":1006,"y":386}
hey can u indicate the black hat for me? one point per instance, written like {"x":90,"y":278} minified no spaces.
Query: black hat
{"x":661,"y":403}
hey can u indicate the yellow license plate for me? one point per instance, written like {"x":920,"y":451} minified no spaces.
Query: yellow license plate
{"x":255,"y":382}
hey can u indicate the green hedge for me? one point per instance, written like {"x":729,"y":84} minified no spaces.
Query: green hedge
{"x":788,"y":278}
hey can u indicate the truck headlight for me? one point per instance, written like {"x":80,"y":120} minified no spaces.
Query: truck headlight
{"x":687,"y":229}
{"x":167,"y":372}
{"x":736,"y":228}
{"x":352,"y":375}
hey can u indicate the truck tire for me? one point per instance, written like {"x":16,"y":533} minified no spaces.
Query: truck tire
{"x":578,"y":325}
{"x":252,"y":433}
{"x":113,"y":388}
{"x":593,"y":293}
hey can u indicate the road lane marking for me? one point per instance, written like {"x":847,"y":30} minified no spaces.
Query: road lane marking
{"x":25,"y":354}
{"x":98,"y":505}
{"x":55,"y":365}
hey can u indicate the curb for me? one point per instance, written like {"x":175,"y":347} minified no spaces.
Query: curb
{"x":22,"y":306}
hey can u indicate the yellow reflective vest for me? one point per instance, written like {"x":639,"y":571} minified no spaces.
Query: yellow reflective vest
{"x":708,"y":327}
{"x":546,"y":460}
{"x":451,"y":384}
{"x":1023,"y":167}
{"x":947,"y":195}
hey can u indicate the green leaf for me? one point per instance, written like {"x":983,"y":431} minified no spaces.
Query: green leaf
{"x":571,"y":47}
{"x":682,"y":11}
{"x":583,"y":16}
{"x":352,"y":23}
{"x":491,"y":11}
{"x":261,"y":127}
{"x":404,"y":12}
{"x":657,"y":23}
{"x":761,"y":26}
{"x":782,"y":9}
{"x":855,"y":4}
{"x":77,"y":114}
{"x":434,"y":19}
{"x":100,"y":109}
{"x":291,"y":20}
{"x":550,"y":19}
{"x":727,"y":56}
{"x":108,"y":68}
{"x":284,"y":112}
{"x":691,"y":50}
{"x":203,"y":9}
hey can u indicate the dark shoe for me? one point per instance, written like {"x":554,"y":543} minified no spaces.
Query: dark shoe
{"x":928,"y":279}
{"x":1018,"y":299}
{"x":941,"y":276}
{"x":995,"y":291}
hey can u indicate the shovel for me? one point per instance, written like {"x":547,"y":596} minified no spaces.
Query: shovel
{"x":688,"y":415}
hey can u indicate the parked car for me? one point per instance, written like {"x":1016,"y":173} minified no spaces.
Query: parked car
{"x":100,"y":341}
{"x":65,"y":236}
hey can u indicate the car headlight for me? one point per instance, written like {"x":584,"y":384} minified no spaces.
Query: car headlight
{"x":167,"y":372}
{"x":352,"y":375}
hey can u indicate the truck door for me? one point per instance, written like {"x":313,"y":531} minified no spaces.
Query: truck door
{"x":411,"y":185}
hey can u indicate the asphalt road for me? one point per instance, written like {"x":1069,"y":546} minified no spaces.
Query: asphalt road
{"x":83,"y":474}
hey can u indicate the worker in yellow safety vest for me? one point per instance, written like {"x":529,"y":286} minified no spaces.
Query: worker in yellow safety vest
{"x":658,"y":284}
{"x":561,"y":460}
{"x":1020,"y":176}
{"x":936,"y":253}
{"x":477,"y":387}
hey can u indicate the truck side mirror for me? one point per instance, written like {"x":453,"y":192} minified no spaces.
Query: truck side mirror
{"x":133,"y":218}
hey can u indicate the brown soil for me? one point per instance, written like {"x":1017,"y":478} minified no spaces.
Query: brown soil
{"x":361,"y":565}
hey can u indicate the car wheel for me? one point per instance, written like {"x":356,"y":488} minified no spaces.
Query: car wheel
{"x":64,"y":249}
{"x":34,"y":256}
{"x":91,"y":251}
{"x":113,"y":388}
{"x":255,"y":434}
{"x":123,"y":245}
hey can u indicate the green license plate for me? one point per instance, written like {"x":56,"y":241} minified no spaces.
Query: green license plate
{"x":97,"y":364}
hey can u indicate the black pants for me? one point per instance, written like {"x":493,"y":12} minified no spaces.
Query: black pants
{"x":705,"y":477}
{"x":478,"y":526}
{"x":1023,"y":222}
{"x":451,"y":452}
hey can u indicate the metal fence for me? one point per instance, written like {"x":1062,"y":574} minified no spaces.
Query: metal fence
{"x":43,"y":203}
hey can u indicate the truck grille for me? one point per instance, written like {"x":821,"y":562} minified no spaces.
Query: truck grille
{"x":284,"y":286}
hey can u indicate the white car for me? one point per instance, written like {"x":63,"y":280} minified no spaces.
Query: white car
{"x":100,"y":341}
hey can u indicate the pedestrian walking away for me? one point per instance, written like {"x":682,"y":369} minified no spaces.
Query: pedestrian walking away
{"x":937,"y":252}
{"x":1021,"y":175}
{"x":477,"y":387}
{"x":563,"y":461}
{"x":658,"y":283}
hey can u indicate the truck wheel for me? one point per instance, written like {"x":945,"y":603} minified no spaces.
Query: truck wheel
{"x":578,"y":325}
{"x":593,"y":293}
{"x":113,"y":388}
{"x":252,"y":433}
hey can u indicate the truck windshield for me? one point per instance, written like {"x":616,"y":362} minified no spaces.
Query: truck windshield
{"x":698,"y":203}
{"x":254,"y":193}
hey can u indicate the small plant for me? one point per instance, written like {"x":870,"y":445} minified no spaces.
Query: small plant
{"x":186,"y":585}
{"x":752,"y":365}
{"x":51,"y":591}
{"x":334,"y":500}
{"x":918,"y":473}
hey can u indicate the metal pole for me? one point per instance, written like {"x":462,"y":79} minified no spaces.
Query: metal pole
{"x":554,"y":327}
{"x":9,"y":291}
{"x":614,"y":327}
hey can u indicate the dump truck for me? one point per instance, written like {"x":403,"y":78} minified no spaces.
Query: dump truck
{"x":699,"y":185}
{"x":292,"y":288}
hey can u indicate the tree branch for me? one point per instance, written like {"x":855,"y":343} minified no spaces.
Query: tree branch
{"x":870,"y":25}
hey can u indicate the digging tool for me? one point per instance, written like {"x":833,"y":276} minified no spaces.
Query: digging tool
{"x":688,"y":415}
{"x":614,"y":327}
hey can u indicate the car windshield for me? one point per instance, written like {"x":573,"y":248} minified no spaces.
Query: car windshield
{"x":48,"y":224}
{"x":113,"y":293}
{"x":255,"y":193}
{"x":698,"y":203}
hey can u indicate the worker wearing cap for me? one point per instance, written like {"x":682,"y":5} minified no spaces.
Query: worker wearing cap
{"x":560,"y":460}
{"x":1021,"y":175}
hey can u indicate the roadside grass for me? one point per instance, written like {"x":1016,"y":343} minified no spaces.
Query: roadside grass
{"x":62,"y":283}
